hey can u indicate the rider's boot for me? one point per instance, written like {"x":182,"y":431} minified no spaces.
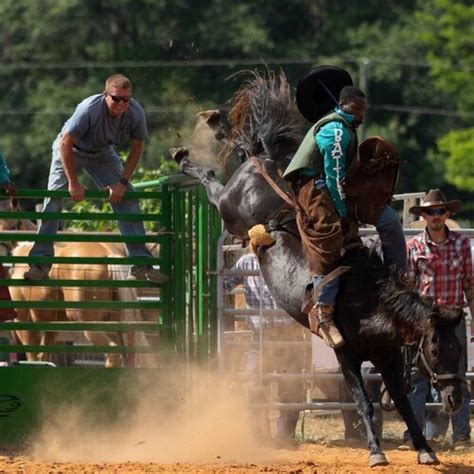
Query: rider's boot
{"x":321,"y":322}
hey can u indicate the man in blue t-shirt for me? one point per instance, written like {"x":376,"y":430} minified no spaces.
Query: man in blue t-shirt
{"x":86,"y":141}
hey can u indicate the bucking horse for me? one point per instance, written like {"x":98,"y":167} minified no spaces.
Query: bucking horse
{"x":376,"y":312}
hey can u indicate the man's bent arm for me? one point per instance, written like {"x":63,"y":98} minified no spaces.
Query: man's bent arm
{"x":67,"y":157}
{"x":68,"y":160}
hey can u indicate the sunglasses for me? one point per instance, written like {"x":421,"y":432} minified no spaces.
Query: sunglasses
{"x":117,"y":98}
{"x":435,"y":211}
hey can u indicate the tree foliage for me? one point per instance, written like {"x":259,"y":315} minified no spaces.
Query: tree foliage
{"x":413,"y":58}
{"x":458,"y":146}
{"x":446,"y":33}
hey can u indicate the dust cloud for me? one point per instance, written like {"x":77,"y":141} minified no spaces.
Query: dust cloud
{"x":204,"y":149}
{"x":163,"y":420}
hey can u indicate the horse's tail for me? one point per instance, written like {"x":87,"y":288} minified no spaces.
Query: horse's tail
{"x":120,"y":273}
{"x":264,"y":117}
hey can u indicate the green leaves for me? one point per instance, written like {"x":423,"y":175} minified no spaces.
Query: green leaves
{"x":446,"y":30}
{"x":458,"y":147}
{"x":181,"y":53}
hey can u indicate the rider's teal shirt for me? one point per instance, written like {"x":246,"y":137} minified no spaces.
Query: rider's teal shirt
{"x":333,"y":139}
{"x":4,"y":171}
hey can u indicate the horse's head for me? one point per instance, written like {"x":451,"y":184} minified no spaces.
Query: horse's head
{"x":211,"y":121}
{"x":209,"y":145}
{"x":262,"y":120}
{"x":262,"y":123}
{"x":440,"y":355}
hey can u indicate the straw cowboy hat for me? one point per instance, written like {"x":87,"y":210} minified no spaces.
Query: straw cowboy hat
{"x":435,"y":198}
{"x":318,"y":92}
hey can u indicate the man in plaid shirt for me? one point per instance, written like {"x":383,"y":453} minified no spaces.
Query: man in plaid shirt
{"x":441,"y":262}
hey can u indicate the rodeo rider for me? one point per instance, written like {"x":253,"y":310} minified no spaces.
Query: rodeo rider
{"x":317,"y":172}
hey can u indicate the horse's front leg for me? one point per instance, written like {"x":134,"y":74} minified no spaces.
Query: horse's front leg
{"x":351,"y":370}
{"x":206,"y":176}
{"x":392,"y":375}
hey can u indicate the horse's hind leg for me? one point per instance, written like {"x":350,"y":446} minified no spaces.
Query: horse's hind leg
{"x":352,"y":375}
{"x":392,"y":375}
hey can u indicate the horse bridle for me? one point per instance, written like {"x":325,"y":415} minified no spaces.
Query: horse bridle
{"x":434,"y":376}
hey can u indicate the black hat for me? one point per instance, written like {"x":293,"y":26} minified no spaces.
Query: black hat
{"x":435,"y":198}
{"x":318,"y":92}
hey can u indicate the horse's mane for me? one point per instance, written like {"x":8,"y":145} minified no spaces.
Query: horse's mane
{"x":366,"y":278}
{"x":380,"y":291}
{"x":264,"y":118}
{"x":406,"y":306}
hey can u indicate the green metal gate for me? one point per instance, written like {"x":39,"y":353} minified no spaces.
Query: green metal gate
{"x":186,"y":322}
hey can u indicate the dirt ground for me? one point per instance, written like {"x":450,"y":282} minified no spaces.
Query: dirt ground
{"x":323,"y":452}
{"x":308,"y":458}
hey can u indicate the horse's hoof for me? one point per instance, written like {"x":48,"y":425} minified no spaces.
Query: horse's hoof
{"x":378,"y":459}
{"x":427,"y":457}
{"x":179,"y":153}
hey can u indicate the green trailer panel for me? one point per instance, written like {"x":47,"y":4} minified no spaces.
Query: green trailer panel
{"x":33,"y":395}
{"x":185,"y":308}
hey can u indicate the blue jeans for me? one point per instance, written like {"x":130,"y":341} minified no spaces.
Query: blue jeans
{"x":421,"y":393}
{"x":434,"y":422}
{"x":392,"y":239}
{"x":105,"y":169}
{"x":328,"y":293}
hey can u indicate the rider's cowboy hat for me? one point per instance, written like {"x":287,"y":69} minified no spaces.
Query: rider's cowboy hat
{"x":318,"y":92}
{"x":435,"y":198}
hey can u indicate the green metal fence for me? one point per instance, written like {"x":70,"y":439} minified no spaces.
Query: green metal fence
{"x":185,"y":320}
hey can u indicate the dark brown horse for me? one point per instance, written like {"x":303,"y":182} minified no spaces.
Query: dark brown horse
{"x":376,"y":314}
